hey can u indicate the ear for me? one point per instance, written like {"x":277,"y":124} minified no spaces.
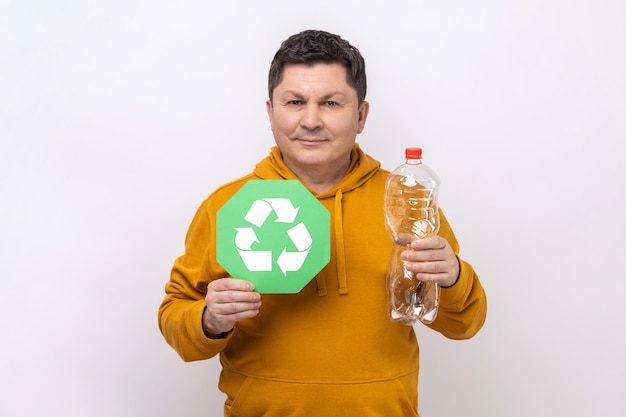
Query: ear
{"x":363,"y":111}
{"x":270,"y":112}
{"x":269,"y":108}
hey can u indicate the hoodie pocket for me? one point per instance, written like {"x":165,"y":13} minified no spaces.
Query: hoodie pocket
{"x":268,"y":398}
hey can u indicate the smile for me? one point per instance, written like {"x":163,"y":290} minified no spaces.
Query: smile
{"x":311,"y":140}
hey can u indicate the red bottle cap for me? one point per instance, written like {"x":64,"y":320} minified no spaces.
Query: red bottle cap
{"x":413,"y":153}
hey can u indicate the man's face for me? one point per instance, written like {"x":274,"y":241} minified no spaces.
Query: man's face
{"x":315,"y":117}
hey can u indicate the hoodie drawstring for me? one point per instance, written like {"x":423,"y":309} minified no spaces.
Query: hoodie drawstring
{"x":320,"y":280}
{"x":342,"y":276}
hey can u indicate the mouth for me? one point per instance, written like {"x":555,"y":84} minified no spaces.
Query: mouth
{"x":307,"y":140}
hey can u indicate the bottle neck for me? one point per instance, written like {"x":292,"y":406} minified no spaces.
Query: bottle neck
{"x":414,"y":161}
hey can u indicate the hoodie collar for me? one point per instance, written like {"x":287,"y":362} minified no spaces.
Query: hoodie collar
{"x":362,"y":168}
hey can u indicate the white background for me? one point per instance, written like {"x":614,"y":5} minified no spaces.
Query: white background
{"x":118,"y":117}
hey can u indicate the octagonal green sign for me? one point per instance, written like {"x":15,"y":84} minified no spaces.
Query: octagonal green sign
{"x":275,"y":234}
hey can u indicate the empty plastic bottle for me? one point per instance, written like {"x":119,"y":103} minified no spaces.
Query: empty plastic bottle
{"x":411,"y":210}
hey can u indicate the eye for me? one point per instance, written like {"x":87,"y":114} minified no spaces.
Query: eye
{"x":294,"y":102}
{"x":330,"y":103}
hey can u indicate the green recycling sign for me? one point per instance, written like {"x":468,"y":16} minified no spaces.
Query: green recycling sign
{"x":275,"y":234}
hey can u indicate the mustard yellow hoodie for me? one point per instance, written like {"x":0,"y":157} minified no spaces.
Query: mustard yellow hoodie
{"x":331,"y":349}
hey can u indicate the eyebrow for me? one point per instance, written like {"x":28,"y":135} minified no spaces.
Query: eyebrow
{"x":323,"y":98}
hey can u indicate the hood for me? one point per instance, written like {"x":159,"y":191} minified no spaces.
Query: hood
{"x":362,"y":168}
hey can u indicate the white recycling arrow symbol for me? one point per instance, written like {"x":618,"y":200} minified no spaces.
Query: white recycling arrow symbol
{"x":262,"y":260}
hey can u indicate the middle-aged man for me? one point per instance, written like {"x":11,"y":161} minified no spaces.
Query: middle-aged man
{"x":331,"y":349}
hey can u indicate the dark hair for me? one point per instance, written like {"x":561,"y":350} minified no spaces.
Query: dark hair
{"x":316,"y":46}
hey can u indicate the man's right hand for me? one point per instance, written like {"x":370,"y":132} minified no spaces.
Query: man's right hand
{"x":228,"y":300}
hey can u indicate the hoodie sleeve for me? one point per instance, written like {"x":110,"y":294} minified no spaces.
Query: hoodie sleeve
{"x":180,"y":313}
{"x":463,"y":306}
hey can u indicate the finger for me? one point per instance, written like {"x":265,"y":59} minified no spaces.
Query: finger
{"x":403,"y":239}
{"x":216,"y":322}
{"x":426,"y":255}
{"x":221,"y":311}
{"x":231,"y":284}
{"x":434,"y":242}
{"x":232,"y":296}
{"x":443,"y":272}
{"x":233,"y":308}
{"x":435,"y":267}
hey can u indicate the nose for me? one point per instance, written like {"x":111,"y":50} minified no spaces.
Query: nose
{"x":311,"y":117}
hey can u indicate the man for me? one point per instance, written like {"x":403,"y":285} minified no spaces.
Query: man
{"x":331,"y":349}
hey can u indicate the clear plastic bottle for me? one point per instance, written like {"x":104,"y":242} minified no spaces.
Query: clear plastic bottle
{"x":411,"y":210}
